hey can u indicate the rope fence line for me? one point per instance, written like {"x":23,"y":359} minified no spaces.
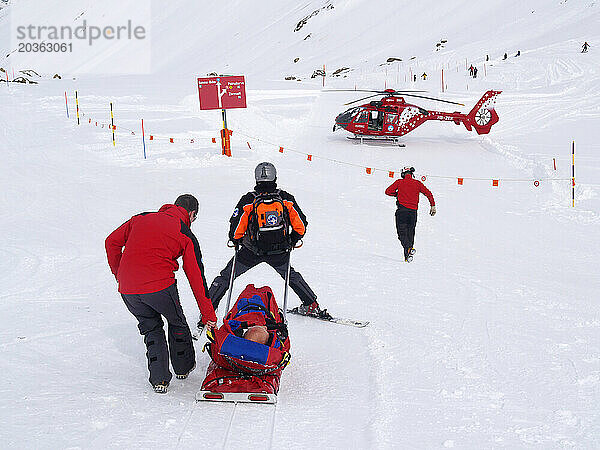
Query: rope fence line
{"x":392,"y":173}
{"x":311,"y":156}
{"x":152,"y":137}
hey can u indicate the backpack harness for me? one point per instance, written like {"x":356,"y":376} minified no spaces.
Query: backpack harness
{"x":269,"y":224}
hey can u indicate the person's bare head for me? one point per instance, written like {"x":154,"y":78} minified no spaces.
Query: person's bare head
{"x":258,"y":334}
{"x":190,"y":204}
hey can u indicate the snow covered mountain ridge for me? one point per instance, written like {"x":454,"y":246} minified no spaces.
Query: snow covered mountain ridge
{"x":291,"y":39}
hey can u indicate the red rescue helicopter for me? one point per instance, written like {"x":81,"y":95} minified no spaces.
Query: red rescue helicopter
{"x":391,"y":117}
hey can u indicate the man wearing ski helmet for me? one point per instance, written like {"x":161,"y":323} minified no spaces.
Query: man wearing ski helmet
{"x":407,"y":190}
{"x":249,"y":255}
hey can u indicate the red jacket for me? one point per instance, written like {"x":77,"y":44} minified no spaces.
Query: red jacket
{"x":153,"y":242}
{"x":407,"y":189}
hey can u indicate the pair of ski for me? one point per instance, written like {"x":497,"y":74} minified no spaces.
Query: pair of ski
{"x":326,"y":317}
{"x":323,"y":316}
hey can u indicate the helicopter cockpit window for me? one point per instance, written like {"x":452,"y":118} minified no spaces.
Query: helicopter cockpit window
{"x":363,"y":117}
{"x":347,"y":115}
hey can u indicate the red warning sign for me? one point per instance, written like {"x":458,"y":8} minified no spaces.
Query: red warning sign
{"x":222,"y":92}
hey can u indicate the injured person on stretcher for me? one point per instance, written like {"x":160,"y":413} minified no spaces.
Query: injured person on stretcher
{"x":249,"y":351}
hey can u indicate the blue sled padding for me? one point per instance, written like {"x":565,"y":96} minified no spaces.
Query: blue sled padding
{"x":254,"y":303}
{"x":244,"y":349}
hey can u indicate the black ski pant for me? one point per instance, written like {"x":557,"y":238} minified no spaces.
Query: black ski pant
{"x":245,"y":261}
{"x":406,"y":221}
{"x":148,"y":309}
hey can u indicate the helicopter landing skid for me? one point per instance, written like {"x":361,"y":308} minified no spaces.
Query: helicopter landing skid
{"x":370,"y":139}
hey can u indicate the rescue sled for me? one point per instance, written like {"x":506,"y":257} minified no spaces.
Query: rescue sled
{"x":243,"y":370}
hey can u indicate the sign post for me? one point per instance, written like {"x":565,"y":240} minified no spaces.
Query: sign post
{"x":112,"y":123}
{"x":573,"y":173}
{"x":77,"y":103}
{"x":223,"y":92}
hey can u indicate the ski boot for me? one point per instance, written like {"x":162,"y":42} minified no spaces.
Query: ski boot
{"x":161,"y":388}
{"x":313,"y":310}
{"x":183,"y":376}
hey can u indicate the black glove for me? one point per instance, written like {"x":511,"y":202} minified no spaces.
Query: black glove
{"x":294,"y":238}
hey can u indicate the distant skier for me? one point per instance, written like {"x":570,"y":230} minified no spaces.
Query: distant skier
{"x":246,"y":230}
{"x":584,"y":47}
{"x":407,"y":190}
{"x":518,"y":53}
{"x":474,"y":72}
{"x":487,"y":57}
{"x":142,"y":254}
{"x":424,"y":76}
{"x":471,"y":70}
{"x":505,"y":56}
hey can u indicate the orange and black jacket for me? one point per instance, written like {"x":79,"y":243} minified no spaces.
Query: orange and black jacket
{"x":142,"y":254}
{"x":241,"y":213}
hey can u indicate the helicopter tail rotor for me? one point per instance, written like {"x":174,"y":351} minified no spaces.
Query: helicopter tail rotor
{"x":483,"y":115}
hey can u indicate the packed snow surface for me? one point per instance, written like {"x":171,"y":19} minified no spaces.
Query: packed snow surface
{"x":489,"y":339}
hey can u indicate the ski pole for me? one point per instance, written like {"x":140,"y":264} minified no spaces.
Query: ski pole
{"x":231,"y":278}
{"x":287,"y":283}
{"x":299,"y":244}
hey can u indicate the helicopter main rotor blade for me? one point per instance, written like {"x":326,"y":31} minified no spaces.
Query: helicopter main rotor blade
{"x":368,"y":90}
{"x":436,"y":99}
{"x":361,"y":99}
{"x":399,"y":92}
{"x":349,"y":90}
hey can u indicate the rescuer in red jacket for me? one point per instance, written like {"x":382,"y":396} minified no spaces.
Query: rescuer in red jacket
{"x":407,"y":190}
{"x":145,"y":270}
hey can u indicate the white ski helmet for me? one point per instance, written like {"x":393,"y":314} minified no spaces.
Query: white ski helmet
{"x":265,"y":171}
{"x":406,"y":170}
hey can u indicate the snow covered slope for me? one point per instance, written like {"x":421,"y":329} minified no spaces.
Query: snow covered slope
{"x":489,"y":339}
